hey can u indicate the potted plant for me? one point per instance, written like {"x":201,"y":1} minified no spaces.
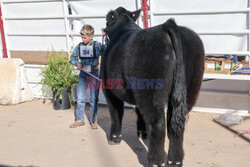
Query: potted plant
{"x":58,"y":76}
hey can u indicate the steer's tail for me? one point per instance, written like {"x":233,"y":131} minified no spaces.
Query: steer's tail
{"x":177,"y":104}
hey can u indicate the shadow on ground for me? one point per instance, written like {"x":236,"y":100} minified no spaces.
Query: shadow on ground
{"x":129,"y":134}
{"x":16,"y":166}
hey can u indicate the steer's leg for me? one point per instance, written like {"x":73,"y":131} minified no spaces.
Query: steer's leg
{"x":176,"y":113}
{"x":116,"y":108}
{"x":141,"y":127}
{"x":155,"y":120}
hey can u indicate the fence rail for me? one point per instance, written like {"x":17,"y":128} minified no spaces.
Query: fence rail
{"x":202,"y":12}
{"x":154,"y":14}
{"x":33,"y":1}
{"x":69,"y":34}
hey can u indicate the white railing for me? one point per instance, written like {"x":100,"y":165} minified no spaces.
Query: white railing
{"x":30,"y":1}
{"x":211,"y":52}
{"x":25,"y":1}
{"x":211,"y":12}
{"x":202,"y":12}
{"x":242,"y":33}
{"x":68,"y":34}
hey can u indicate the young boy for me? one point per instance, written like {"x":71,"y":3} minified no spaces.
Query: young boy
{"x":86,"y":56}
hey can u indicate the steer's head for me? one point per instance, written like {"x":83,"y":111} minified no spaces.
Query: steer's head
{"x":120,"y":17}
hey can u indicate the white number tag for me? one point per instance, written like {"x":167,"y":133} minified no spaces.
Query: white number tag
{"x":86,"y":51}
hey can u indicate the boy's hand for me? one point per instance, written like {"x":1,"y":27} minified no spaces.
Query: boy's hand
{"x":79,"y":67}
{"x":103,"y":32}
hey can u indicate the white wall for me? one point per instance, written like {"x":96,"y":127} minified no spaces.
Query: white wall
{"x":97,"y":8}
{"x":44,"y":30}
{"x":47,"y":32}
{"x":17,"y":25}
{"x":205,"y":21}
{"x":224,"y":28}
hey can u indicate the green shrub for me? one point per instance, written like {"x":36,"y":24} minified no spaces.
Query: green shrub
{"x":59,"y":73}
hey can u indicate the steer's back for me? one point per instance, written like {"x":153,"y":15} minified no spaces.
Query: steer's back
{"x":149,"y":55}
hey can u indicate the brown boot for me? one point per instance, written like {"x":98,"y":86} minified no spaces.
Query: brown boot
{"x":94,"y":125}
{"x":77,"y":124}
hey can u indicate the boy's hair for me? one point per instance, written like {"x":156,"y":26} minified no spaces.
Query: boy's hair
{"x":87,"y":30}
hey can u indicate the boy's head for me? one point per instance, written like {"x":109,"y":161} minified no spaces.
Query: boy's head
{"x":87,"y":33}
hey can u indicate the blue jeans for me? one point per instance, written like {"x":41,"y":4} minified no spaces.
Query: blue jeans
{"x":81,"y":96}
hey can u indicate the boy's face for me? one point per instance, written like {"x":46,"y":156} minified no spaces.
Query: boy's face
{"x":86,"y":38}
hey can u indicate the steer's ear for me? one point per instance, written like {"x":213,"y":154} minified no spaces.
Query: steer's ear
{"x":135,"y":14}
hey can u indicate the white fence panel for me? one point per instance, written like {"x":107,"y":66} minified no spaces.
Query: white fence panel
{"x":94,"y":13}
{"x":224,"y":29}
{"x":39,"y":25}
{"x":223,"y":25}
{"x":25,"y":24}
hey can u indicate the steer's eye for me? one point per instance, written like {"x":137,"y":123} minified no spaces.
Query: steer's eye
{"x":112,"y":15}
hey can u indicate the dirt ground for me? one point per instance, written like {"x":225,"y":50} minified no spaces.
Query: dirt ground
{"x":33,"y":134}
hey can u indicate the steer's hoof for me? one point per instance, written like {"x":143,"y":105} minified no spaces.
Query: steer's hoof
{"x":114,"y":142}
{"x":115,"y":139}
{"x":142,"y":134}
{"x":174,"y":164}
{"x":154,"y":165}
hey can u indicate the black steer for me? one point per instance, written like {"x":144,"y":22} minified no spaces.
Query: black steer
{"x":152,"y":68}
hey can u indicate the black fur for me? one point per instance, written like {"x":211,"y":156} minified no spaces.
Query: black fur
{"x":169,"y":52}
